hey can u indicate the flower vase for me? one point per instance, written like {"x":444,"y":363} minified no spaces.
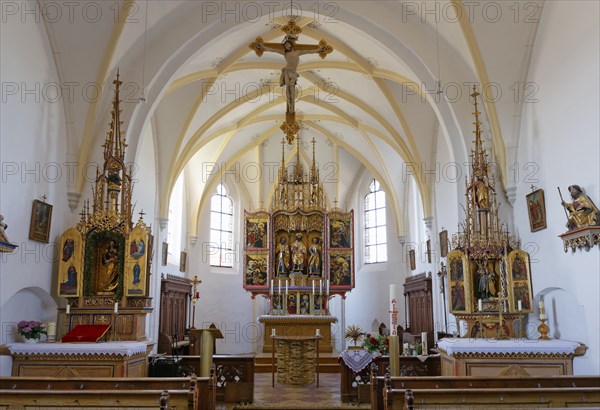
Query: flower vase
{"x":32,"y":340}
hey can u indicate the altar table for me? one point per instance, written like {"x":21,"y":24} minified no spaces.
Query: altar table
{"x":296,"y":326}
{"x":110,"y":359}
{"x":513,"y":357}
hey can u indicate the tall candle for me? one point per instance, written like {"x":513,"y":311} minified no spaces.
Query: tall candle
{"x":318,"y":332}
{"x":272,"y":284}
{"x":541,"y":306}
{"x":480,"y":305}
{"x":313,"y":287}
{"x":320,"y":285}
{"x":519,"y":305}
{"x":68,"y":309}
{"x":286,"y":286}
{"x":51,"y":332}
{"x":279,"y":285}
{"x":393,"y":311}
{"x":116,"y":307}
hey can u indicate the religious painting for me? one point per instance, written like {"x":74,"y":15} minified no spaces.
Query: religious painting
{"x":41,"y":221}
{"x":318,"y":304}
{"x":444,"y":243}
{"x":70,"y":266}
{"x":182,"y":261}
{"x":458,"y":287}
{"x":256,"y":230}
{"x":519,"y":281}
{"x":340,"y":227}
{"x":304,"y":303}
{"x":536,"y":209}
{"x":292,"y":303}
{"x":104,"y":264}
{"x":412,"y":259}
{"x":428,"y":246}
{"x":341,"y":269}
{"x":165,"y":253}
{"x":255,"y":270}
{"x":136,"y":262}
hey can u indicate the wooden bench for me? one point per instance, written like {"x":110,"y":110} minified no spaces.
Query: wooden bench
{"x":488,"y":398}
{"x":381,"y":383}
{"x":192,"y":393}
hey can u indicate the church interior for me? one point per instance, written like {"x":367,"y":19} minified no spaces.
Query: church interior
{"x":341,"y":198}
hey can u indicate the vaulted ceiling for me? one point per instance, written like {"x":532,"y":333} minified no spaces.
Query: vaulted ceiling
{"x":370,"y":105}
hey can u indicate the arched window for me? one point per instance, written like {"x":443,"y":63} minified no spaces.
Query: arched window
{"x":375,"y":229}
{"x":221,"y":228}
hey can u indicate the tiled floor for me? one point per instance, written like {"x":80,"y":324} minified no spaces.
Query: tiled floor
{"x":327,"y":395}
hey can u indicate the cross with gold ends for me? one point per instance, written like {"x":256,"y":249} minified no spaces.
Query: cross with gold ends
{"x":291,"y":52}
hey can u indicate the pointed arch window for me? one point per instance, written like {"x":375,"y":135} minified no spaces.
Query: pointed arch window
{"x":375,"y":224}
{"x":221,"y":228}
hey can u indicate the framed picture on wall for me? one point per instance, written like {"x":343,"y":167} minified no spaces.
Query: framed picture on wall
{"x":182,"y":261}
{"x":428,"y":244}
{"x":444,"y":243}
{"x":412,"y":259}
{"x":165,"y":253}
{"x":536,"y":208}
{"x":41,"y":221}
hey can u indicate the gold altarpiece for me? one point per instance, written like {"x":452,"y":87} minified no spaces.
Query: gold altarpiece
{"x":489,"y":277}
{"x":298,"y":254}
{"x":105,"y":259}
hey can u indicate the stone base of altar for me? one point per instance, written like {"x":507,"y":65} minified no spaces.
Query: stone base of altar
{"x":111,"y":359}
{"x":298,"y":325}
{"x":516,"y":357}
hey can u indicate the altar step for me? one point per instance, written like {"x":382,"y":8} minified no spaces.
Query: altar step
{"x":328,"y":363}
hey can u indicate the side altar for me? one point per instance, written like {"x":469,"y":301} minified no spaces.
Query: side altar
{"x":104,"y":266}
{"x":298,"y":254}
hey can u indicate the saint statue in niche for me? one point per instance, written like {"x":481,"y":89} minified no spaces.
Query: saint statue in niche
{"x":314,"y":257}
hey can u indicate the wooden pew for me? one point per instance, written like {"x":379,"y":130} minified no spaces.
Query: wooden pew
{"x":378,"y":383}
{"x":486,"y":398}
{"x":195,"y":392}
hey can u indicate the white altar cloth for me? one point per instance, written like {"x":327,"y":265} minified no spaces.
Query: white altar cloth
{"x":80,"y":349}
{"x":512,"y":346}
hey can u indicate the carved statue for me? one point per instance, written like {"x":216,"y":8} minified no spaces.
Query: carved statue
{"x":581,"y":212}
{"x":283,"y":256}
{"x":3,"y":226}
{"x":314,"y":257}
{"x":298,"y":254}
{"x":110,"y":260}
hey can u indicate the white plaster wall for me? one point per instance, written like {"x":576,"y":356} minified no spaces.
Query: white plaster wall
{"x":33,"y":156}
{"x":560,"y":135}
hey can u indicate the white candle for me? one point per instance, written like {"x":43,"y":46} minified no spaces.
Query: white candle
{"x":480,"y":305}
{"x":318,"y":332}
{"x":424,"y":348}
{"x":272,"y":285}
{"x":320,"y":285}
{"x":543,"y":316}
{"x":313,"y":286}
{"x":68,"y":309}
{"x":393,"y":311}
{"x":279,"y":285}
{"x":519,"y":305}
{"x":272,"y":332}
{"x":541,"y":306}
{"x":328,"y":287}
{"x":51,"y":331}
{"x":116,"y":307}
{"x":286,"y":286}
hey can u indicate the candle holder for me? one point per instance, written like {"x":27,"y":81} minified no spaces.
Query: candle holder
{"x":543,"y":329}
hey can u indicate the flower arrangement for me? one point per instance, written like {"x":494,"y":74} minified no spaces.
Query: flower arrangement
{"x":375,"y":343}
{"x":31,"y":329}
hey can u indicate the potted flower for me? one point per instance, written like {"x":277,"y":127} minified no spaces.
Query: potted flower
{"x":31,"y":330}
{"x":375,"y":343}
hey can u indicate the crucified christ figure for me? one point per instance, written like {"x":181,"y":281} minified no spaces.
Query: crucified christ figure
{"x":291,"y":52}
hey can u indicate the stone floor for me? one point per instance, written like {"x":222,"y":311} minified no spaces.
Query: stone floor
{"x":326,"y":396}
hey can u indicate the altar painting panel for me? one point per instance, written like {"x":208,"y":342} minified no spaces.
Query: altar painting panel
{"x":341,"y":269}
{"x":136,"y":262}
{"x":104,"y":264}
{"x":459,"y":288}
{"x":519,"y":281}
{"x":340,"y":227}
{"x":257,"y":230}
{"x":70,"y":267}
{"x":256,"y":269}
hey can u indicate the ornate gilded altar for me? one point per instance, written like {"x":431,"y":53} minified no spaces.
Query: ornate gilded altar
{"x":104,"y":267}
{"x":298,"y":253}
{"x":489,"y":277}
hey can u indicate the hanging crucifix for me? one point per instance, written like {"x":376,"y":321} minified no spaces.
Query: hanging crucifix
{"x":291,"y":51}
